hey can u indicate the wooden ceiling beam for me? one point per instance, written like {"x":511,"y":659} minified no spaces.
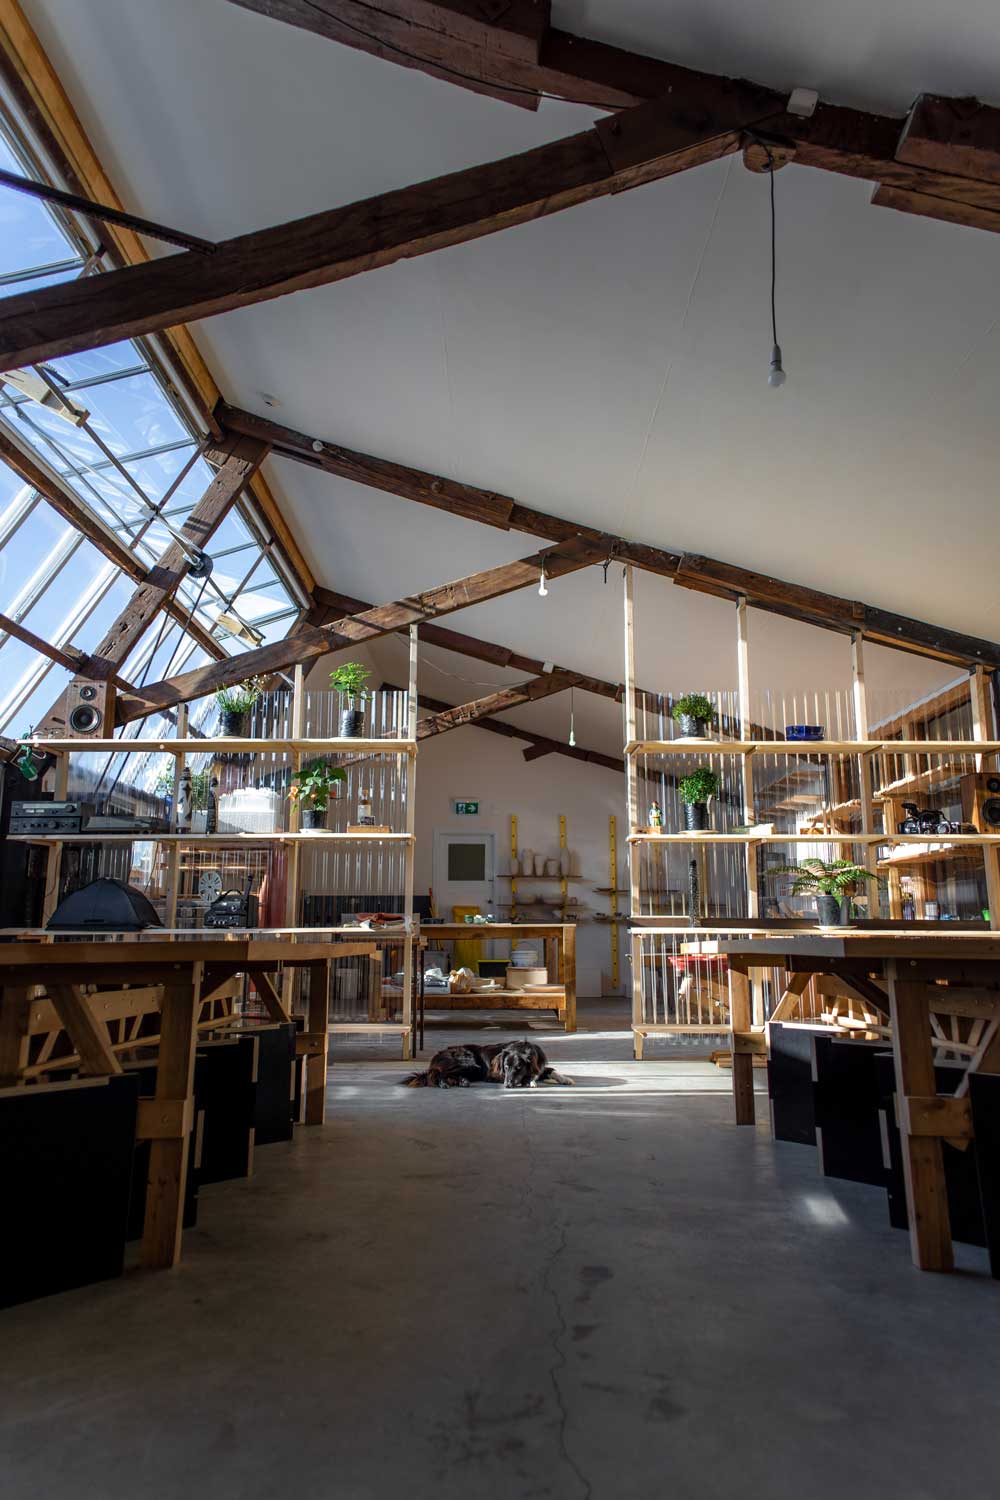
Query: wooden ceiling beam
{"x":445,"y":40}
{"x":623,"y":152}
{"x":313,"y":641}
{"x":689,"y":570}
{"x":946,"y":148}
{"x":494,"y":703}
{"x":542,"y":743}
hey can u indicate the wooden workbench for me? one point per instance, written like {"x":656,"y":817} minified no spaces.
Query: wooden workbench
{"x":917,"y":970}
{"x":560,"y":956}
{"x":189,"y":971}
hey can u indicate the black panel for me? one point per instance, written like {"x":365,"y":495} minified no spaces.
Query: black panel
{"x":273,"y":1112}
{"x":790,"y":1086}
{"x":846,"y":1101}
{"x":984,"y":1097}
{"x":230,"y":1106}
{"x":65,"y":1168}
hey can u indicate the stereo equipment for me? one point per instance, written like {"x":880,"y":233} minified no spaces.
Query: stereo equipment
{"x":46,"y":817}
{"x":233,"y":909}
{"x":90,"y":708}
{"x":981,"y":801}
{"x":125,"y":823}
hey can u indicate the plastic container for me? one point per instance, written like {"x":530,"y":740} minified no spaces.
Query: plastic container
{"x":250,"y":809}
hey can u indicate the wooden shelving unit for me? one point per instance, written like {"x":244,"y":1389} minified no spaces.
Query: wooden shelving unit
{"x":295,"y":749}
{"x":851,"y":768}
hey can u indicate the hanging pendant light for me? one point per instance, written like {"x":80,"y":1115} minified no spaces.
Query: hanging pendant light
{"x":572,"y":735}
{"x":543,"y":592}
{"x":776,"y":376}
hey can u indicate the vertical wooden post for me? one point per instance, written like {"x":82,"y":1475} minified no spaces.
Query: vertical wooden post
{"x":410,"y":848}
{"x":15,"y":1010}
{"x":53,"y":862}
{"x":317,"y":1025}
{"x":293,"y":864}
{"x":861,"y":732}
{"x":569,"y":973}
{"x":923,"y":1167}
{"x":982,"y":729}
{"x":613,"y":860}
{"x":632,"y":803}
{"x":168,"y":1157}
{"x":739,"y":1023}
{"x":746,"y":766}
{"x":174,"y":849}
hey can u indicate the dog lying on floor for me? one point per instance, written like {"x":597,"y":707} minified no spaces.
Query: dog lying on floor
{"x":517,"y":1065}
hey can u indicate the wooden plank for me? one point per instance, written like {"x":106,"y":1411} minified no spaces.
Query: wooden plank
{"x":706,"y":574}
{"x":65,"y":656}
{"x":961,"y":136}
{"x":494,"y":703}
{"x":15,"y":1010}
{"x":316,"y":641}
{"x":928,"y":206}
{"x":795,"y":987}
{"x":168,"y":1157}
{"x":938,"y":1116}
{"x":923,"y":1166}
{"x":359,"y":237}
{"x":88,"y":1034}
{"x":269,"y":996}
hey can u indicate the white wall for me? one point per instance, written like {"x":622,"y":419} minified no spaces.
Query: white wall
{"x":472,"y":763}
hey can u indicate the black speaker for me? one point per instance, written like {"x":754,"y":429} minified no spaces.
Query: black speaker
{"x":90,"y":707}
{"x":981,"y":801}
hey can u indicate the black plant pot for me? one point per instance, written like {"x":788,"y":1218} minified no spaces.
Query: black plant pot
{"x":828,"y":910}
{"x":696,"y":728}
{"x":696,"y":816}
{"x":352,"y":724}
{"x":314,"y":817}
{"x":233,"y":725}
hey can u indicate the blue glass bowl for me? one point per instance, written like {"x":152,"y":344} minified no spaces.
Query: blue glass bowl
{"x":803,"y":731}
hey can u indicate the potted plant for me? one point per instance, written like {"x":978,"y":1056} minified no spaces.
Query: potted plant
{"x":693,"y":713}
{"x":235,"y":704}
{"x":349,"y":680}
{"x":313,"y":788}
{"x":695,"y":792}
{"x":831,"y":884}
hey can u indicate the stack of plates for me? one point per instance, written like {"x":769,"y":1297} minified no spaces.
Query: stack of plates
{"x":524,"y":958}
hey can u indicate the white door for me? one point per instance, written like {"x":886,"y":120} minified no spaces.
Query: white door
{"x":464,"y":872}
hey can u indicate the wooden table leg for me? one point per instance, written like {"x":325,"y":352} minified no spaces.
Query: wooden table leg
{"x":739,"y":1022}
{"x":87,"y":1032}
{"x":569,"y":974}
{"x":923,"y":1166}
{"x":15,"y":1009}
{"x":168,"y":1156}
{"x":319,"y":991}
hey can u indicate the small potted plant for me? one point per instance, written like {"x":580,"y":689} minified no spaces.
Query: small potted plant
{"x":831,"y":884}
{"x":235,"y":704}
{"x":349,"y":680}
{"x":693,"y":714}
{"x":313,"y":788}
{"x":696,"y":791}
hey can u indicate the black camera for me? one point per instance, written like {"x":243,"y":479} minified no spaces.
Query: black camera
{"x":925,"y":820}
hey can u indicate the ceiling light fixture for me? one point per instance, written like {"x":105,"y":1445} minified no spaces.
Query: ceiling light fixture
{"x":543,"y":592}
{"x":572,"y":734}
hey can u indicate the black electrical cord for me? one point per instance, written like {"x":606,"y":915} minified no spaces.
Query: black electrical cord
{"x":774,"y":317}
{"x":427,"y":62}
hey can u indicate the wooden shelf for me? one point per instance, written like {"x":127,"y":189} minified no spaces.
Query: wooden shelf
{"x":947,"y":852}
{"x":947,"y":839}
{"x":533,"y":878}
{"x":812,"y":747}
{"x":210,"y":840}
{"x":223,"y":746}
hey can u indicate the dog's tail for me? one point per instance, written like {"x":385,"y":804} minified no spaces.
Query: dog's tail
{"x":416,"y":1081}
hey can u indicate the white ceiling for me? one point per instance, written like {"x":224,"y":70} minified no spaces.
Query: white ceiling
{"x":608,"y":364}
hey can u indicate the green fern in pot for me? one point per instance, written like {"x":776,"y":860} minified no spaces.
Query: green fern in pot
{"x":831,"y":884}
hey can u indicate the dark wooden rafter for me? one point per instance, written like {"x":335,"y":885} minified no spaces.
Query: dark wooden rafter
{"x":495,"y":703}
{"x":541,"y":743}
{"x":34,"y":471}
{"x":690,"y":570}
{"x":617,"y":154}
{"x":313,"y":641}
{"x":944,"y":154}
{"x":64,"y":656}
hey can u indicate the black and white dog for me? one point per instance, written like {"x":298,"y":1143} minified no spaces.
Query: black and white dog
{"x":517,"y":1065}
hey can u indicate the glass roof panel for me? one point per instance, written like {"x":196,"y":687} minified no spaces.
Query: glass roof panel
{"x":29,"y":235}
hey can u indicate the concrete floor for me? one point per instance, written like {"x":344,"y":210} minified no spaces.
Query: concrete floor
{"x":606,"y":1291}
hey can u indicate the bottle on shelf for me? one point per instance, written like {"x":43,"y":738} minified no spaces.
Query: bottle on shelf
{"x":365,"y":815}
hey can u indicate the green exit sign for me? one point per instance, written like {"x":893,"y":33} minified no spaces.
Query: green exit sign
{"x":470,"y":809}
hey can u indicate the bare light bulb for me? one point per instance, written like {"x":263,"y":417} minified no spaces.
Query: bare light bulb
{"x":572,"y":736}
{"x":776,"y":375}
{"x":543,"y":592}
